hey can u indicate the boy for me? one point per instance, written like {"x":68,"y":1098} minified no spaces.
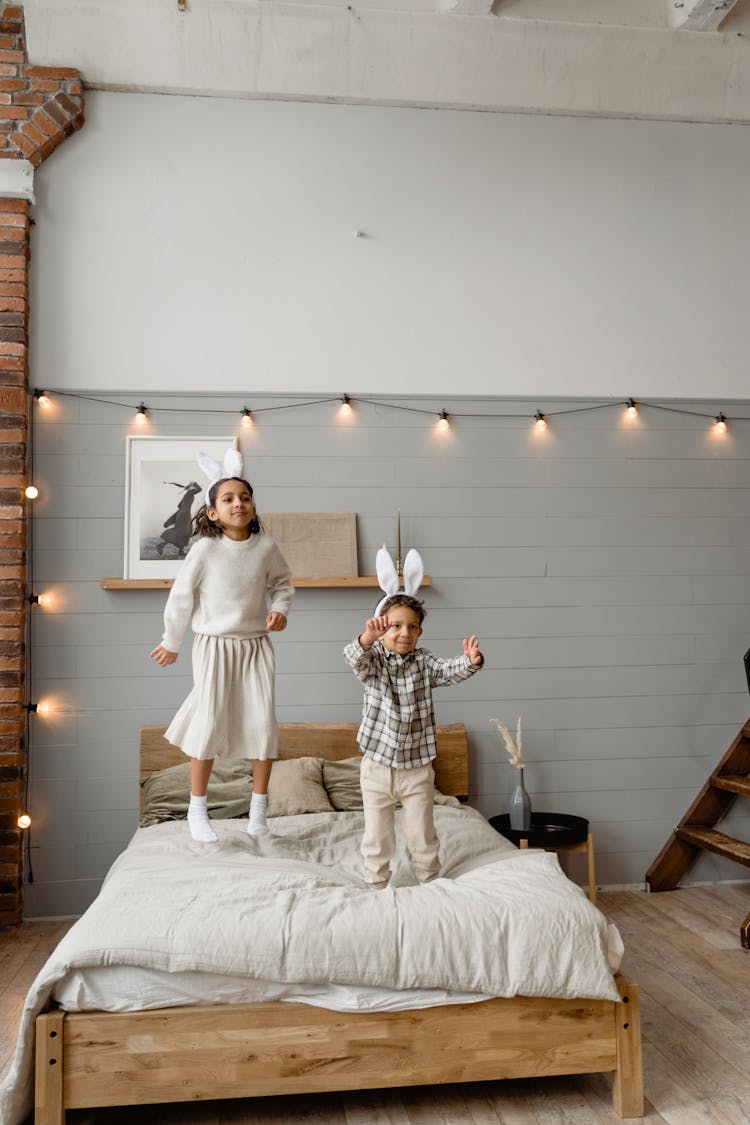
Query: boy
{"x":397,"y":733}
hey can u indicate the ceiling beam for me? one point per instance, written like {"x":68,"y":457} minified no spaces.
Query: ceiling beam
{"x":284,"y":50}
{"x":706,"y":15}
{"x":465,"y":7}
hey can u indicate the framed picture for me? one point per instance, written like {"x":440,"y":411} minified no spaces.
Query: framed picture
{"x":164,"y":488}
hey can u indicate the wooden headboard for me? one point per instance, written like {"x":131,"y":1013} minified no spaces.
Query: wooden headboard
{"x":332,"y":741}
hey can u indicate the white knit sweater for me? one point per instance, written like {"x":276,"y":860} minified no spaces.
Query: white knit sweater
{"x":222,"y":589}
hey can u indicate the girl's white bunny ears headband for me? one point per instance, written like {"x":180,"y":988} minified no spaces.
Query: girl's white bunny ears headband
{"x":388,"y":575}
{"x":230,"y":467}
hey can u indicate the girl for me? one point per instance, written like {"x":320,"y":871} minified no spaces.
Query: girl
{"x":222,"y":587}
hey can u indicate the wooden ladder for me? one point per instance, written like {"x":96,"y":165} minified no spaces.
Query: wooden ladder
{"x":695,"y":832}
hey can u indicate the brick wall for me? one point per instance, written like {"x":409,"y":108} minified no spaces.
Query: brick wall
{"x":39,"y":108}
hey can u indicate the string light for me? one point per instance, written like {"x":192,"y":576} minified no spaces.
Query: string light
{"x":444,"y":422}
{"x":39,"y":599}
{"x":31,"y":492}
{"x":541,"y":422}
{"x":42,"y":398}
{"x":24,"y":821}
{"x":721,"y":424}
{"x":141,"y":415}
{"x":41,"y":708}
{"x":246,"y":419}
{"x":346,"y":406}
{"x":631,"y":412}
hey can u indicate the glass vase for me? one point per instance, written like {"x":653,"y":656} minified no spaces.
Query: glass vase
{"x":520,"y":806}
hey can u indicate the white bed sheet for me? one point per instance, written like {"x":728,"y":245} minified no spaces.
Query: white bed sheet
{"x":125,"y":989}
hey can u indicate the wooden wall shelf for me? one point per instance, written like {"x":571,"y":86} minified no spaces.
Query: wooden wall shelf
{"x":363,"y":580}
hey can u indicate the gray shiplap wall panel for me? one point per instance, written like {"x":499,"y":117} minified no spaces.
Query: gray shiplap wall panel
{"x":604,"y":567}
{"x":83,"y":563}
{"x":554,"y":532}
{"x":98,"y":756}
{"x":69,"y":534}
{"x":491,"y":501}
{"x":60,"y":898}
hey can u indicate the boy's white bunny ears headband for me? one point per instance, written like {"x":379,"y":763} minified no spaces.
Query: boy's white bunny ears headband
{"x":388,"y":575}
{"x":230,"y":467}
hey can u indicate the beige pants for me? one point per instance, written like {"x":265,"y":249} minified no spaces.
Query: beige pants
{"x":382,"y":788}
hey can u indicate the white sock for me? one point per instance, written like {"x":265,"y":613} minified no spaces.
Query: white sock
{"x":198,"y":822}
{"x":256,"y":825}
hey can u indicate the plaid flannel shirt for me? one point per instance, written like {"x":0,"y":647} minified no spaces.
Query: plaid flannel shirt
{"x":398,"y":721}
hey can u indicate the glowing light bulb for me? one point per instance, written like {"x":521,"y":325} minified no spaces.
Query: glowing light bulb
{"x":45,"y":601}
{"x":444,"y":423}
{"x":541,"y":422}
{"x":246,"y":420}
{"x":720,"y":426}
{"x":631,"y":412}
{"x":42,"y":398}
{"x":31,"y":492}
{"x":346,"y":407}
{"x":24,"y":821}
{"x":41,"y":708}
{"x":141,"y":415}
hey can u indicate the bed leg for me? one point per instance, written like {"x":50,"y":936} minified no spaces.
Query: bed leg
{"x":48,"y":1083}
{"x":627,"y":1084}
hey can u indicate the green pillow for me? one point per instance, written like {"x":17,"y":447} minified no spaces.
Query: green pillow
{"x":341,"y":783}
{"x":167,"y":793}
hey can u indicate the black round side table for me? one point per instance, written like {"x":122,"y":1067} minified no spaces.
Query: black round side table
{"x":553,"y":832}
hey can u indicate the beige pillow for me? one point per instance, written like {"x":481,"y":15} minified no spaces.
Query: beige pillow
{"x":296,"y":787}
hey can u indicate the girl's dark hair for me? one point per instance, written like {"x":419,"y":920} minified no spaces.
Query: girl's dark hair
{"x":203,"y":526}
{"x":407,"y":600}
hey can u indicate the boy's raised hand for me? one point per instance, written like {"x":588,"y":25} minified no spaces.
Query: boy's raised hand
{"x":375,"y":628}
{"x":471,"y":649}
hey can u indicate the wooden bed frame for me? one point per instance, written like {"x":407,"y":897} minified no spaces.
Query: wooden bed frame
{"x":88,"y":1059}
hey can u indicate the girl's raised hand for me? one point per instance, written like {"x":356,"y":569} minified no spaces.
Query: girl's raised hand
{"x":275,"y":622}
{"x":163,"y":656}
{"x":471,"y":649}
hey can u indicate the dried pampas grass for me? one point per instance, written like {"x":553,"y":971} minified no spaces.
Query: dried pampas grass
{"x":513,"y":747}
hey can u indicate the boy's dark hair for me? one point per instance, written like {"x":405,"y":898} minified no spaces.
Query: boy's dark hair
{"x":408,"y":601}
{"x":203,"y":526}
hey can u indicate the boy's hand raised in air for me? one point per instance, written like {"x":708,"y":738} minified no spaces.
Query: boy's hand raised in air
{"x":471,"y":649}
{"x":375,"y":628}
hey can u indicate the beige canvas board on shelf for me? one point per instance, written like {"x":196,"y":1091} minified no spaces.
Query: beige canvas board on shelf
{"x":316,"y":544}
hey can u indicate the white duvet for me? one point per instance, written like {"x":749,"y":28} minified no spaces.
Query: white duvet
{"x":292,"y":908}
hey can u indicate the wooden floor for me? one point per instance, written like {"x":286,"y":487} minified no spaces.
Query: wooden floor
{"x":683,"y":948}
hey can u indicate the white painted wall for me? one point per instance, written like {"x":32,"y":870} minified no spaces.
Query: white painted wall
{"x":183,"y":243}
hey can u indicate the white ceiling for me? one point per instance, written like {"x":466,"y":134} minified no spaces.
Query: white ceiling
{"x":625,"y":58}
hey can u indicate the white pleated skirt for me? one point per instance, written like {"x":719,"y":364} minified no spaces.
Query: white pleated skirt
{"x":230,"y":713}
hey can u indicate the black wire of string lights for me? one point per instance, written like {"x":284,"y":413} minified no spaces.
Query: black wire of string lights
{"x":443,"y":417}
{"x":31,"y":492}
